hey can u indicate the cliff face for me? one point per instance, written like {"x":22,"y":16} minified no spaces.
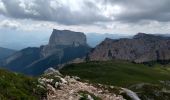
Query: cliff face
{"x":63,"y":46}
{"x":66,"y":37}
{"x":61,"y":39}
{"x":141,"y":48}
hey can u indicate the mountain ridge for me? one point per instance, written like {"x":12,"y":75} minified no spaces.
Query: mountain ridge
{"x":141,"y":48}
{"x":5,"y":52}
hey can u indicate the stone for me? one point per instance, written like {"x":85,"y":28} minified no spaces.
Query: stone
{"x":70,"y":89}
{"x":52,"y":71}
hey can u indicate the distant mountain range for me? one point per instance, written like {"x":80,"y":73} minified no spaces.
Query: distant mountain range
{"x":21,"y":40}
{"x":4,"y":52}
{"x":94,"y":39}
{"x":63,"y":46}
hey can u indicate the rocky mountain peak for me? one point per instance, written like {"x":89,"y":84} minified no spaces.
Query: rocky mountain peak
{"x":63,"y":46}
{"x":150,"y":36}
{"x":108,"y":39}
{"x":66,"y":38}
{"x":142,"y":35}
{"x":141,"y":48}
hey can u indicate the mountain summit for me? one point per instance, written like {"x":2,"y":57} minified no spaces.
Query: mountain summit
{"x":141,"y":48}
{"x":61,"y":39}
{"x":67,"y":37}
{"x":63,"y":46}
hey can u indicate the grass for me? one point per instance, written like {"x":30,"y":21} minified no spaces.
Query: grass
{"x":119,"y":73}
{"x":14,"y":86}
{"x":126,"y":74}
{"x":85,"y":94}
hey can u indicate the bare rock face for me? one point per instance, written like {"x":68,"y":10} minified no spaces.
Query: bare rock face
{"x":66,"y":37}
{"x":141,"y":48}
{"x":61,"y":39}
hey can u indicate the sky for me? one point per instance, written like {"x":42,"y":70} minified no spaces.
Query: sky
{"x":35,"y":19}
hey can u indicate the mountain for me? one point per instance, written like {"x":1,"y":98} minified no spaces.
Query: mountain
{"x":141,"y":48}
{"x":4,"y":52}
{"x":19,"y":40}
{"x":94,"y":39}
{"x":19,"y":60}
{"x":63,"y":46}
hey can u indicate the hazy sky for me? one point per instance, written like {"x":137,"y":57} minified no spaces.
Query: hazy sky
{"x":37,"y":18}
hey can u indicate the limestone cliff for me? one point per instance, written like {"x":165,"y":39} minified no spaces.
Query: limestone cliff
{"x":141,"y":48}
{"x":66,"y":37}
{"x":61,"y":39}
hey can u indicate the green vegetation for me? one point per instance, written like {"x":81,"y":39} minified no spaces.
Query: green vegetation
{"x":119,"y":73}
{"x":85,"y":94}
{"x":14,"y":86}
{"x":149,"y":81}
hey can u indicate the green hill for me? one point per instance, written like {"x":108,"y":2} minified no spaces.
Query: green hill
{"x":149,"y":82}
{"x":118,"y":72}
{"x":14,"y":86}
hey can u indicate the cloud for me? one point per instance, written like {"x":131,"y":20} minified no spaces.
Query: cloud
{"x":73,"y":12}
{"x":139,"y":10}
{"x":9,"y":24}
{"x":58,"y":11}
{"x":125,"y":16}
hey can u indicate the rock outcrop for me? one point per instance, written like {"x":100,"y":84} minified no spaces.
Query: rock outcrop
{"x":141,"y":48}
{"x":66,"y":37}
{"x":63,"y":46}
{"x":71,"y":88}
{"x":61,"y":39}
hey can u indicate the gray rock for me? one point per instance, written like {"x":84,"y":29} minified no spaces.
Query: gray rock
{"x":131,"y":94}
{"x":52,"y":71}
{"x":66,"y":37}
{"x":141,"y":48}
{"x":61,"y":39}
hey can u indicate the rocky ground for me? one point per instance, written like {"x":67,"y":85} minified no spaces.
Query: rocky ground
{"x":71,"y":88}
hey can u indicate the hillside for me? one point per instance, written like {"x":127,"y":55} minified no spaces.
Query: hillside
{"x":4,"y":52}
{"x":144,"y":80}
{"x":14,"y":86}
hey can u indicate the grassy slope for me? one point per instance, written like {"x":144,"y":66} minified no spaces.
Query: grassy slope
{"x":15,"y":86}
{"x":119,"y":73}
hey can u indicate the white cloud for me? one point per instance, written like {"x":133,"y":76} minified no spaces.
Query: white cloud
{"x":102,"y":16}
{"x":9,"y":24}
